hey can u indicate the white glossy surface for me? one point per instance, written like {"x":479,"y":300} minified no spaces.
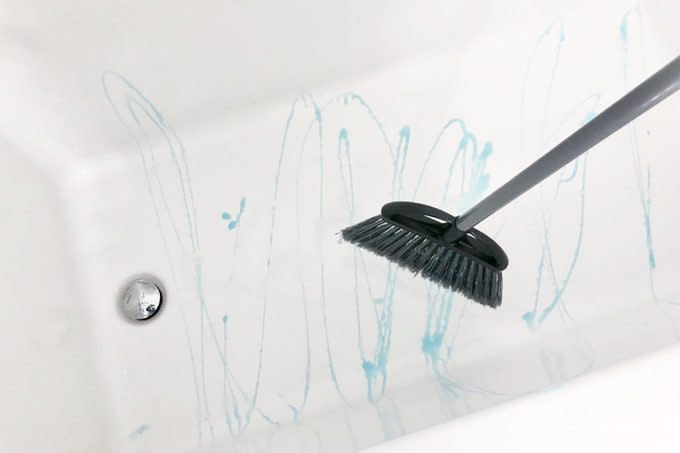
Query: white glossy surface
{"x":175,"y":141}
{"x":626,"y":408}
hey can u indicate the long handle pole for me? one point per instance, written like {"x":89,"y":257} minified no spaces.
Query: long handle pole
{"x":643,"y":97}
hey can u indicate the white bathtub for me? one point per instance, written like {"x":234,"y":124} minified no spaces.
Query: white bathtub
{"x":220,"y":147}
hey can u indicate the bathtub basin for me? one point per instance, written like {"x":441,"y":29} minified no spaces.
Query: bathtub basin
{"x":220,"y":148}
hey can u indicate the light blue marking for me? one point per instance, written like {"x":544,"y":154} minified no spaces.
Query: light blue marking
{"x":234,"y":221}
{"x":135,"y":103}
{"x":473,"y":182}
{"x":644,"y":187}
{"x":134,"y":435}
{"x":305,"y":100}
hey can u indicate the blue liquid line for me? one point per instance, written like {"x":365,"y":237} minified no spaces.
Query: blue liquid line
{"x":478,"y":175}
{"x":233,"y":419}
{"x":296,"y":410}
{"x":235,"y":221}
{"x":644,"y":187}
{"x":439,"y":307}
{"x":133,"y":100}
{"x":374,"y":370}
{"x":530,"y":316}
{"x":449,"y":124}
{"x":559,"y":292}
{"x":642,"y":175}
{"x":390,"y":419}
{"x":555,"y":26}
{"x":470,"y":186}
{"x":136,"y":102}
{"x":546,"y":264}
{"x":232,"y":414}
{"x":159,"y":122}
{"x":345,"y":162}
{"x":400,"y":162}
{"x":353,"y":97}
{"x":139,"y":431}
{"x":317,"y":115}
{"x":226,"y":388}
{"x":233,"y":224}
{"x":546,"y":253}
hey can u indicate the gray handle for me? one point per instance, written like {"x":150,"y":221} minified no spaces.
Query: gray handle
{"x":643,"y":97}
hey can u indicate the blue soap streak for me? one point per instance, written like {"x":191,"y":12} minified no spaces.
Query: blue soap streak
{"x":137,"y":103}
{"x":545,"y":262}
{"x":134,"y":435}
{"x":374,"y":368}
{"x":135,"y":99}
{"x":579,"y":166}
{"x":235,"y":221}
{"x":295,"y":409}
{"x":644,"y":187}
{"x":470,"y":186}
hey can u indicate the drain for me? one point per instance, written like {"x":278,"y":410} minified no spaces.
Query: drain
{"x":141,"y":299}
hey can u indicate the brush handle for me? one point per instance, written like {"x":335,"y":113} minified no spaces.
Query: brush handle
{"x":643,"y":97}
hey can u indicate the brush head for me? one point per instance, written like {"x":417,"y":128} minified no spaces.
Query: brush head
{"x":426,"y":241}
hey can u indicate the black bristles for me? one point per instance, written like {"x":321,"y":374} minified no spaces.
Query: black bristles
{"x":444,"y":264}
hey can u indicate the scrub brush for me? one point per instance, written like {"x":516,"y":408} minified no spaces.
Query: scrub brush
{"x":448,"y":250}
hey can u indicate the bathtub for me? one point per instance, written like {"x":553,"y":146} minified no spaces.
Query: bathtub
{"x":217,"y":149}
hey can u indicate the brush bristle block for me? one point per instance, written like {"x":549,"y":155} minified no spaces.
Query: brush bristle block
{"x":472,"y":265}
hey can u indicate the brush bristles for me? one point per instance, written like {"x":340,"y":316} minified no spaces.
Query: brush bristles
{"x":443,"y":265}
